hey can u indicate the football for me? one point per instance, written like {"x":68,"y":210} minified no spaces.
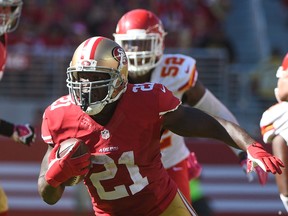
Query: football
{"x":64,"y":148}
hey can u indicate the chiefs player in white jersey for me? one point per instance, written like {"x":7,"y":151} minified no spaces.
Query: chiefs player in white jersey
{"x":274,"y":127}
{"x":121,"y":125}
{"x":141,"y":34}
{"x":10,"y":11}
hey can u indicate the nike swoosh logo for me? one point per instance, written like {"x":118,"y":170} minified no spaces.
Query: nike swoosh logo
{"x":163,"y":89}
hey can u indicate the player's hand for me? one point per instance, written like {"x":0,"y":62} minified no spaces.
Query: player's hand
{"x":261,"y":174}
{"x":257,"y":156}
{"x":62,"y":169}
{"x":24,"y":134}
{"x":194,"y":168}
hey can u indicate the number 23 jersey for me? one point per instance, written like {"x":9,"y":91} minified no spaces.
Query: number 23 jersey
{"x":127,"y":176}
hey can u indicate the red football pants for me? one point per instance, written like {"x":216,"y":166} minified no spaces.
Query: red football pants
{"x":179,"y":173}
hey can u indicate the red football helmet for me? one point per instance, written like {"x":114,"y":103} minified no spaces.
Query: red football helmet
{"x":283,"y":69}
{"x":141,"y":34}
{"x":10,"y":12}
{"x":98,"y":74}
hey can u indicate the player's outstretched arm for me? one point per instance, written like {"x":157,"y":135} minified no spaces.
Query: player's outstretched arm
{"x":207,"y":102}
{"x":191,"y":122}
{"x":24,"y":134}
{"x":21,"y":133}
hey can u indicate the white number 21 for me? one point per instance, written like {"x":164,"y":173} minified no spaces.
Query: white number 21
{"x":120,"y":191}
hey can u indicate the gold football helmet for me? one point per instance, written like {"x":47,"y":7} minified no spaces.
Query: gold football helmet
{"x":97,"y":74}
{"x":10,"y":12}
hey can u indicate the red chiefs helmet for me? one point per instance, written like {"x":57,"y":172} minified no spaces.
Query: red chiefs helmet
{"x":10,"y":12}
{"x":98,"y":74}
{"x":141,"y":34}
{"x":283,"y":69}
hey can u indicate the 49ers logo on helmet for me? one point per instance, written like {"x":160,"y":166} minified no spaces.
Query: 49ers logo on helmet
{"x":119,"y":55}
{"x":86,"y":63}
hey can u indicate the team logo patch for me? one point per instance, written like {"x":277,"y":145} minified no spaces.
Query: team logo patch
{"x":105,"y":134}
{"x":86,"y":63}
{"x":119,"y":54}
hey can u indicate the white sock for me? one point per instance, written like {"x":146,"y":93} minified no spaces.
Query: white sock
{"x":285,"y":201}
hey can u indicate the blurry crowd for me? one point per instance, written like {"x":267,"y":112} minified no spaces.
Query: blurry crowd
{"x":56,"y":24}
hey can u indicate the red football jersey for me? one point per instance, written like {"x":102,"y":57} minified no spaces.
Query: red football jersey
{"x":127,"y":177}
{"x":3,"y":53}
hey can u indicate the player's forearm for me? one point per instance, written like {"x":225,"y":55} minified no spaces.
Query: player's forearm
{"x":48,"y":193}
{"x":6,"y":128}
{"x":191,"y":122}
{"x":210,"y":104}
{"x":239,"y":136}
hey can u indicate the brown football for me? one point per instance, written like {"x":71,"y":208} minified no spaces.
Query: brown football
{"x":64,"y":148}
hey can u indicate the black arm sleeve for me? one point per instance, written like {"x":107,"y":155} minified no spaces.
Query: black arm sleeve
{"x":6,"y":128}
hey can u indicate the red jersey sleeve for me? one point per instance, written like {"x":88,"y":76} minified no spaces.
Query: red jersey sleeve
{"x":167,"y":101}
{"x":46,"y":135}
{"x":3,"y":53}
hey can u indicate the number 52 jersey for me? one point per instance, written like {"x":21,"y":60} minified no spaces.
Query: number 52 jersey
{"x":178,"y":73}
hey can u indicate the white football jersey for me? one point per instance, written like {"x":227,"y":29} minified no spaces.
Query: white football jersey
{"x":178,"y":73}
{"x":274,"y":122}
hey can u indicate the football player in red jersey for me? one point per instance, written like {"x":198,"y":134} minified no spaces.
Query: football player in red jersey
{"x":121,"y":123}
{"x":274,"y":128}
{"x":141,"y":33}
{"x":10,"y":11}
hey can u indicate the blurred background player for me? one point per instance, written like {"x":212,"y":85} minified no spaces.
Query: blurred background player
{"x":141,"y":34}
{"x":274,"y":128}
{"x":10,"y":11}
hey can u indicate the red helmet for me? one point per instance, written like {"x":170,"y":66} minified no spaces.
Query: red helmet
{"x":283,"y":69}
{"x":141,"y":34}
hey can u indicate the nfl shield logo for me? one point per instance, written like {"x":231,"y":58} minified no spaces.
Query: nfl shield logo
{"x":105,"y":134}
